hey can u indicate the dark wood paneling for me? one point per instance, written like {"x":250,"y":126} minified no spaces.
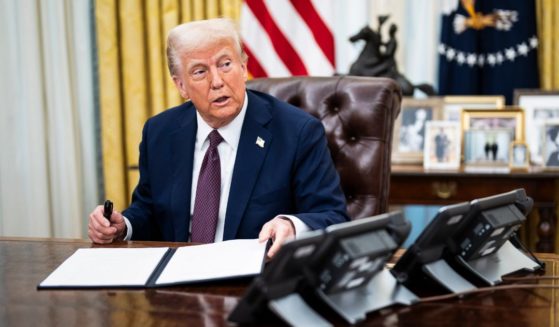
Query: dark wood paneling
{"x":414,"y":185}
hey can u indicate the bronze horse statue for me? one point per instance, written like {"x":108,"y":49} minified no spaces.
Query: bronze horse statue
{"x":372,"y":61}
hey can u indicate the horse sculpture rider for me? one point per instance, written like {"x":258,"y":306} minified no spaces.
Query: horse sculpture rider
{"x":374,"y":62}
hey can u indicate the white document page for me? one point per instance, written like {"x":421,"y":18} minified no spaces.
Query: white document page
{"x":233,"y":258}
{"x":106,"y":267}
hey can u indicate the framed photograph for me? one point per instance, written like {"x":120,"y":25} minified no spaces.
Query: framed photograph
{"x":538,"y":106}
{"x":551,"y":144}
{"x":442,"y":145}
{"x":487,"y":147}
{"x":453,"y":105}
{"x":519,"y":156}
{"x":490,"y":119}
{"x":408,"y":141}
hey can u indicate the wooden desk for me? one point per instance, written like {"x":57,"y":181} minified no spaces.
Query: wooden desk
{"x":26,"y":262}
{"x":414,"y":185}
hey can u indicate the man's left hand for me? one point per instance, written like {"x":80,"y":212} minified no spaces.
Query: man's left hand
{"x":279,"y":230}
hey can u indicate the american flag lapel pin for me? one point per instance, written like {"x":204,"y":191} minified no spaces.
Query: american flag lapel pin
{"x":260,"y":142}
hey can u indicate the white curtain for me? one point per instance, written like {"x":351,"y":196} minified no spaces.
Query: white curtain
{"x":48,"y":168}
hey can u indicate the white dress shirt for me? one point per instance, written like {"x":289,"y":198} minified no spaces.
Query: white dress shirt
{"x":227,"y":149}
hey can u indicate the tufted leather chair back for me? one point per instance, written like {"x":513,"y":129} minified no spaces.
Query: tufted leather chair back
{"x":358,"y":115}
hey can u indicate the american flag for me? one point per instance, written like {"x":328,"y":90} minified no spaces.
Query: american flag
{"x":288,"y":37}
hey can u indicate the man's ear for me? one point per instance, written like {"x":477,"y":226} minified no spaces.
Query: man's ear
{"x":245,"y":70}
{"x":181,"y":86}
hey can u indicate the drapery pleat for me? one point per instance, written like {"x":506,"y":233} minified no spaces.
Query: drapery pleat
{"x":548,"y":30}
{"x":171,"y":18}
{"x":133,"y":76}
{"x":110,"y":102}
{"x":22,"y":124}
{"x":156,"y":76}
{"x":48,"y":176}
{"x":134,"y":67}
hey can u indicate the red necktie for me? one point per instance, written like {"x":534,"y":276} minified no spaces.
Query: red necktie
{"x":208,"y":191}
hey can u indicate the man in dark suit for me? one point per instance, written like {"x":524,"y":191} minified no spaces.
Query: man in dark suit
{"x":275,"y":174}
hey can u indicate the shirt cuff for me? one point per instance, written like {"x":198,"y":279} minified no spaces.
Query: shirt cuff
{"x":128,"y":229}
{"x":300,"y":226}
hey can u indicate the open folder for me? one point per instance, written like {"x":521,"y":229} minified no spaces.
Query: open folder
{"x":160,"y":266}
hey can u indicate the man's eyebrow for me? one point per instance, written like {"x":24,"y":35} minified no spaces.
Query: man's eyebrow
{"x":195,"y":65}
{"x":225,"y":55}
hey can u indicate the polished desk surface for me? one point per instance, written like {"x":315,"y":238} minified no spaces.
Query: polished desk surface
{"x":24,"y":263}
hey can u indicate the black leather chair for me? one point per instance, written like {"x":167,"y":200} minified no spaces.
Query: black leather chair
{"x":358,"y":115}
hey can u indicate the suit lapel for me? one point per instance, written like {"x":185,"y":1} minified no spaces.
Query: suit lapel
{"x":254,"y":143}
{"x":183,"y":140}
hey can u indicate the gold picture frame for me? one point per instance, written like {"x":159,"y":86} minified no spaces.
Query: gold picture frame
{"x":495,"y":118}
{"x":539,"y":107}
{"x":487,"y":134}
{"x":519,"y":156}
{"x":454,"y":104}
{"x":408,"y":139}
{"x":442,"y":145}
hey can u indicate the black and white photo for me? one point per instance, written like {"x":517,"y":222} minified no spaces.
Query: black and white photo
{"x":551,"y":144}
{"x":409,"y":131}
{"x":539,"y":107}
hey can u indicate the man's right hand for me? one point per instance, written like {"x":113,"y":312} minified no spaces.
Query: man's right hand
{"x":101,"y":231}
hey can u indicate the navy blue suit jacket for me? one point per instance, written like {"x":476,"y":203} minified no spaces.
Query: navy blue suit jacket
{"x":292,"y":174}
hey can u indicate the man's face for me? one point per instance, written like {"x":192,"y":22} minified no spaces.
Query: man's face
{"x":213,"y":77}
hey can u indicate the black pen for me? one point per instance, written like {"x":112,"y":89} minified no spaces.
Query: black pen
{"x":108,"y":210}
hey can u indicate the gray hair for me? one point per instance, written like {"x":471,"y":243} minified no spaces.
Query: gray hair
{"x":190,"y":36}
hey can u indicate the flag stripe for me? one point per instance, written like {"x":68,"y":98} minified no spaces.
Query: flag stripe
{"x":260,"y":45}
{"x":279,"y":41}
{"x":253,"y":65}
{"x":300,"y":36}
{"x":321,"y":32}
